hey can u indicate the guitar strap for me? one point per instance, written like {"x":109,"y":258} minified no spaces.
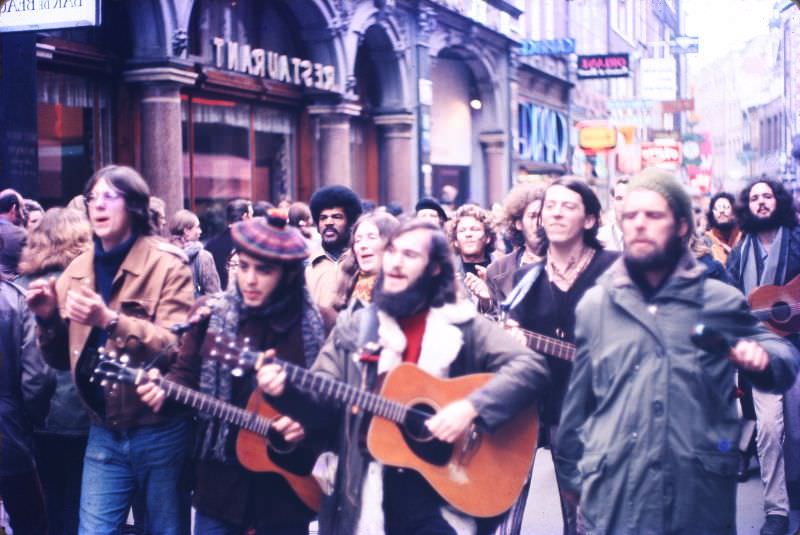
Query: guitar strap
{"x":369,"y":347}
{"x":521,"y":290}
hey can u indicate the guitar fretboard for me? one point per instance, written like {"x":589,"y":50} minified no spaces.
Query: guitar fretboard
{"x":549,"y":346}
{"x":340,"y":391}
{"x":219,"y":409}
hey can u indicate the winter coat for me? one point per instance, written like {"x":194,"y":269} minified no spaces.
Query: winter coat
{"x":204,"y":271}
{"x":25,"y":381}
{"x":500,"y":276}
{"x":152,"y":291}
{"x":323,"y":279}
{"x":649,"y":431}
{"x":220,"y":247}
{"x":66,"y":415}
{"x":456,"y":337}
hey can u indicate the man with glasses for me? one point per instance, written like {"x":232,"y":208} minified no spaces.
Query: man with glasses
{"x":123,"y":294}
{"x":12,"y":232}
{"x":723,"y":230}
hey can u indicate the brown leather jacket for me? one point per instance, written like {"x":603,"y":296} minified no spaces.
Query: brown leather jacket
{"x":151,"y":291}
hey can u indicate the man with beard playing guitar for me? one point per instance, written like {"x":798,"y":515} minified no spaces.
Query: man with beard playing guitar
{"x":769,"y":254}
{"x":270,"y":306}
{"x":416,"y":319}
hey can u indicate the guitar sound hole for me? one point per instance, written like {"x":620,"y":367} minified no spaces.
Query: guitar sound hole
{"x":781,"y":311}
{"x":295,"y":459}
{"x":419,"y":439}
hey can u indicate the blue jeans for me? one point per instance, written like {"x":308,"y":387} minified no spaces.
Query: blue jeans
{"x":149,"y":459}
{"x":206,"y":525}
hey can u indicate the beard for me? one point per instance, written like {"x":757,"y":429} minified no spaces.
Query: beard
{"x":407,"y":302}
{"x":724,"y":228}
{"x":666,"y":258}
{"x":752,"y":224}
{"x":336,"y":246}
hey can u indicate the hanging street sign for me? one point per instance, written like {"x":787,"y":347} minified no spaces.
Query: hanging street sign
{"x":603,"y":66}
{"x":37,"y":15}
{"x":548,"y":47}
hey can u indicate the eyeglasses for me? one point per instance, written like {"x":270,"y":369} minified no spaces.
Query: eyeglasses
{"x":106,"y":196}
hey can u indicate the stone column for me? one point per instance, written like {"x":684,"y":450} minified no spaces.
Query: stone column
{"x":493,"y":144}
{"x":335,"y":162}
{"x":398,"y":174}
{"x":162,"y":151}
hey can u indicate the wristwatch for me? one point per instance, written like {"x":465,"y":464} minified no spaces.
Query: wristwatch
{"x":112,"y":324}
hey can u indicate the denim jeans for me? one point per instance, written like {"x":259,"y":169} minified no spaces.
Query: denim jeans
{"x":149,"y":459}
{"x":206,"y":525}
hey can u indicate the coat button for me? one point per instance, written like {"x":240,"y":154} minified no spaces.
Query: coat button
{"x":658,"y":408}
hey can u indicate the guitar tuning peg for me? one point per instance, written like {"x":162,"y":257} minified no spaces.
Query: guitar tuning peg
{"x":113,"y":355}
{"x":237,"y":372}
{"x":213,"y":353}
{"x":218,"y":339}
{"x":104,"y":383}
{"x":125,"y":359}
{"x":246,"y":341}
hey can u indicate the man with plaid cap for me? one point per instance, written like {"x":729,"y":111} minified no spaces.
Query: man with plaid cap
{"x":267,"y":307}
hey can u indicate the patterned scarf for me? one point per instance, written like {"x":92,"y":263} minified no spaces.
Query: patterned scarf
{"x":364,"y":286}
{"x":227,"y":311}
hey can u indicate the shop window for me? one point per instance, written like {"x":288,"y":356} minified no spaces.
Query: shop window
{"x":74,"y":127}
{"x":234,"y":150}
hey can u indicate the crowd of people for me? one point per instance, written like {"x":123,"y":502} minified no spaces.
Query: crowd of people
{"x":589,"y":316}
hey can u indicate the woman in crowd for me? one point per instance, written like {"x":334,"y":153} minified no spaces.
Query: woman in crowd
{"x":60,"y":441}
{"x":184,"y":229}
{"x":360,"y":267}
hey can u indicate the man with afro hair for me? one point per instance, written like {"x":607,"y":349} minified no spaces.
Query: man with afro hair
{"x":334,"y":209}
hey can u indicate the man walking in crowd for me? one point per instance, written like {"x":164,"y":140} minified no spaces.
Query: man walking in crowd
{"x":472,"y":238}
{"x":12,"y":231}
{"x":335,"y":209}
{"x":647,"y":439}
{"x":417,"y":320}
{"x":220,"y":246}
{"x":769,"y":254}
{"x":123,"y":294}
{"x":723,"y":231}
{"x":545,"y":301}
{"x":610,"y":234}
{"x":521,"y":209}
{"x":25,"y":388}
{"x":269,"y":307}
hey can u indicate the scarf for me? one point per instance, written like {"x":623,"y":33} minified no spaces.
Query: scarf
{"x":362,"y":290}
{"x":227,"y":312}
{"x":760,"y":266}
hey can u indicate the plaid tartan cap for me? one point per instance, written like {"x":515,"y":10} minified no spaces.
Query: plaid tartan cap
{"x":270,"y":238}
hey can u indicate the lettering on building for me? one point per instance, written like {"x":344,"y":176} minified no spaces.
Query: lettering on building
{"x":234,"y":56}
{"x":543,"y":134}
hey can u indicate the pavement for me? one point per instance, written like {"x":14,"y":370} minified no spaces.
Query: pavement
{"x":543,"y":512}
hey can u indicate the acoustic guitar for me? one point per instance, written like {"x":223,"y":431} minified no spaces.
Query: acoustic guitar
{"x":481,"y":474}
{"x":258,"y":447}
{"x":548,"y":345}
{"x":778,"y":306}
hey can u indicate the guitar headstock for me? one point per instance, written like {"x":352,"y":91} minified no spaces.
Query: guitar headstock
{"x":113,"y":368}
{"x":238,"y":356}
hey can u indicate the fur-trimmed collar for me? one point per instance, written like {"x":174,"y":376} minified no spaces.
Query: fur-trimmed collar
{"x":441,"y":341}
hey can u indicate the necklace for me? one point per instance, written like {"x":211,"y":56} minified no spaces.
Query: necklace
{"x":565,"y":277}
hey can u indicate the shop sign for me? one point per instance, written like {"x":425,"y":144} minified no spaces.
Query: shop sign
{"x":658,"y":78}
{"x":665,"y":154}
{"x":597,"y":138}
{"x":36,"y":15}
{"x":603,"y":66}
{"x":543,"y":134}
{"x":234,"y":56}
{"x":677,"y":106}
{"x":548,"y":47}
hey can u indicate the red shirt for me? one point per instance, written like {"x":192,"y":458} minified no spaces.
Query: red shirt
{"x":414,"y":328}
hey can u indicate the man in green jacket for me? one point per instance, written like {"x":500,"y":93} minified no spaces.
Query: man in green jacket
{"x":647,"y":442}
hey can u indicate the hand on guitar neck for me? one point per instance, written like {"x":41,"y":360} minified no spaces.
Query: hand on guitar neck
{"x":446,"y":425}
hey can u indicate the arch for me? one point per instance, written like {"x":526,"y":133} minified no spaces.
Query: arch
{"x":382,"y":33}
{"x":151,"y":24}
{"x":315,"y":23}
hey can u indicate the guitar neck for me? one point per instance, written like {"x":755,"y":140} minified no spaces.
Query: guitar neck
{"x":219,"y":409}
{"x":343,"y":393}
{"x":549,"y":346}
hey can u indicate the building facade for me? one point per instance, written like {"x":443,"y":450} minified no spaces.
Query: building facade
{"x":218,"y":99}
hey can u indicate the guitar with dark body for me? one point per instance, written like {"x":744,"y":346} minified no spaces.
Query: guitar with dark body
{"x":259,"y":448}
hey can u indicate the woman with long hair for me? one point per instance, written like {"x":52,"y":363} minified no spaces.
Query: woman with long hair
{"x":363,"y":261}
{"x":60,"y":440}
{"x":184,"y":230}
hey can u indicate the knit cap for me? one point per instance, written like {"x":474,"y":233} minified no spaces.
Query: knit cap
{"x":269,"y":238}
{"x":667,"y":185}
